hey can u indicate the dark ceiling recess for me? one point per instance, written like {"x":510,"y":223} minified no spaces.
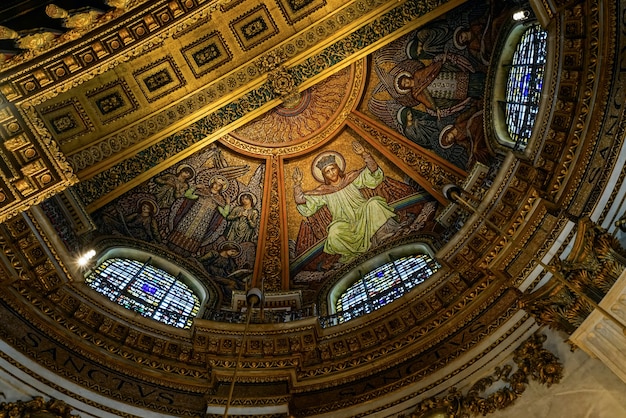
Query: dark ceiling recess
{"x":30,"y":15}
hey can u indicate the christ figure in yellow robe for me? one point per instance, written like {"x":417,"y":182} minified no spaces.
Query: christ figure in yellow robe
{"x":355,"y":219}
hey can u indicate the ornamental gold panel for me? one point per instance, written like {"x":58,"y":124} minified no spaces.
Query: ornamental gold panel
{"x":159,"y":78}
{"x":88,"y":316}
{"x":574,"y":26}
{"x":295,"y":10}
{"x":37,"y":407}
{"x":31,"y":167}
{"x":281,"y":345}
{"x":254,"y":27}
{"x":206,"y":53}
{"x":112,"y":329}
{"x":65,"y":301}
{"x":112,"y":100}
{"x":66,"y":120}
{"x":118,"y":40}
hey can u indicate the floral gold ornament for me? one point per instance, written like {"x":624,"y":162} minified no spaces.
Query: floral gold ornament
{"x":532,"y":361}
{"x":37,"y":407}
{"x":283,"y":85}
{"x":594,"y":264}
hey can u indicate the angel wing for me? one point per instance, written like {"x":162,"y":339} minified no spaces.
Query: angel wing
{"x":433,"y":38}
{"x":230,"y":173}
{"x":392,"y":53}
{"x":206,"y":158}
{"x":387,"y":111}
{"x":255,"y":185}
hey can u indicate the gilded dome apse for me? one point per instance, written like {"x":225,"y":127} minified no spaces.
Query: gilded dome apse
{"x":319,"y":108}
{"x":230,"y":142}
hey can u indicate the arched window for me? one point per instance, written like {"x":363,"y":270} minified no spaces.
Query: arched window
{"x":521,"y":73}
{"x":523,"y":90}
{"x":145,"y":289}
{"x":383,"y":285}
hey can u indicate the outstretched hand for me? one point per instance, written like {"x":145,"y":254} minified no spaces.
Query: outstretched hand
{"x":297,"y":176}
{"x":358,"y":148}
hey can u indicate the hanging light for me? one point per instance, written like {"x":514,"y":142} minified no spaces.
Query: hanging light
{"x":254,"y":297}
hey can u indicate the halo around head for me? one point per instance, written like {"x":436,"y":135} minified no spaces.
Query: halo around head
{"x":455,"y":37}
{"x":402,"y":115}
{"x":220,"y":179}
{"x":252,"y":197}
{"x":229,"y":245}
{"x":317,"y":171}
{"x":396,"y":82}
{"x":412,"y":48}
{"x":151,"y":202}
{"x":443,"y":133}
{"x":186,"y":167}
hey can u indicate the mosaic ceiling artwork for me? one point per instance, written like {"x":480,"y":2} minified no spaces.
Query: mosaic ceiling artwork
{"x":212,"y":208}
{"x":206,"y":209}
{"x":291,"y":146}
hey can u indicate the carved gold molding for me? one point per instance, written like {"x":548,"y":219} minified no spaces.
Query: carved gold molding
{"x":592,"y":267}
{"x":533,"y":363}
{"x":37,"y":407}
{"x":34,"y":168}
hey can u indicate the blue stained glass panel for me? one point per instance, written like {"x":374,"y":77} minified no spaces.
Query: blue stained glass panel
{"x":145,"y":289}
{"x":384,"y":285}
{"x":524,"y":84}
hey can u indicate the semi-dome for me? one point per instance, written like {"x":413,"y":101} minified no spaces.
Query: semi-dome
{"x":408,"y":188}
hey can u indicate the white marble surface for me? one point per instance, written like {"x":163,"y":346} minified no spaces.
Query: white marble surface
{"x":588,"y":389}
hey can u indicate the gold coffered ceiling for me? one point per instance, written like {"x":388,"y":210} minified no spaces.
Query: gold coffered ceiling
{"x":146,"y":74}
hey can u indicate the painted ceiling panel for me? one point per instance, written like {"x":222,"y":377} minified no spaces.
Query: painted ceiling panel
{"x":429,"y":85}
{"x":205,"y":209}
{"x":210,"y":206}
{"x":336,"y":225}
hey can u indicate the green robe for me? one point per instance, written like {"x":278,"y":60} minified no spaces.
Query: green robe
{"x":355,"y":218}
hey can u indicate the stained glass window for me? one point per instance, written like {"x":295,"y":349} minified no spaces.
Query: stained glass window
{"x":145,"y":289}
{"x":384,"y":285}
{"x":524,"y":84}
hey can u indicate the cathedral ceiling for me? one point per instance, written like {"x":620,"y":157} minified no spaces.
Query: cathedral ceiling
{"x":189,"y":128}
{"x":358,"y":103}
{"x":168,"y":78}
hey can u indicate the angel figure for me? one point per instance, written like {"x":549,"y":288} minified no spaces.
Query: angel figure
{"x":197,"y":219}
{"x":173,"y":186}
{"x":243,"y":219}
